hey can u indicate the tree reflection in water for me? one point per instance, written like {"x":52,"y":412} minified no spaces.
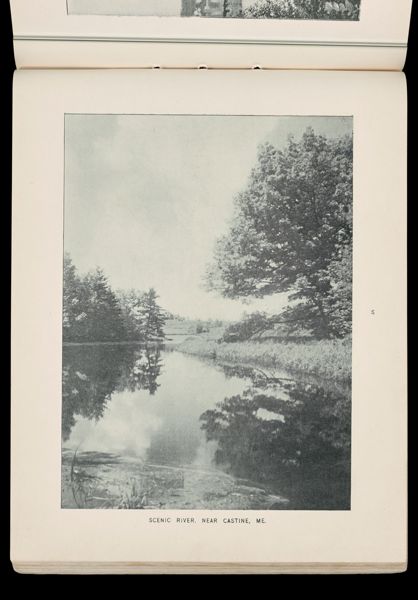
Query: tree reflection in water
{"x":293,"y":436}
{"x":288,"y":436}
{"x":92,"y":373}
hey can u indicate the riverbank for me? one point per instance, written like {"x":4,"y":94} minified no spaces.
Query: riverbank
{"x":330,"y":359}
{"x":98,"y":480}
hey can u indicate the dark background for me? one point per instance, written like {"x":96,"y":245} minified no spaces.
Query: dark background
{"x":7,"y":67}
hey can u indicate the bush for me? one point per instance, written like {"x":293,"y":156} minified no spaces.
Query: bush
{"x":250,"y":325}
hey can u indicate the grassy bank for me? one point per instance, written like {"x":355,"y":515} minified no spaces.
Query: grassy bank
{"x":326,"y":358}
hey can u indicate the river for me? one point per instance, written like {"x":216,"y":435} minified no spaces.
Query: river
{"x":155,"y":428}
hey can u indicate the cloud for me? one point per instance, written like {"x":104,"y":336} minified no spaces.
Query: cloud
{"x":147,"y":196}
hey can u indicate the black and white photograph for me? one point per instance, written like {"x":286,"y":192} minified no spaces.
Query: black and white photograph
{"x":207,"y":312}
{"x":345,"y":10}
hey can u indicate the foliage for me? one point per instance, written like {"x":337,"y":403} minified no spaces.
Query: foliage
{"x":292,"y":226}
{"x":304,"y":9}
{"x":250,"y":325}
{"x":339,"y":299}
{"x":93,"y":312}
{"x":151,"y":316}
{"x":130,"y":302}
{"x":103,"y":314}
{"x":232,"y":8}
{"x":293,"y":431}
{"x":330,"y":359}
{"x":144,"y":372}
{"x":91,"y":374}
{"x":134,"y":497}
{"x":89,"y":378}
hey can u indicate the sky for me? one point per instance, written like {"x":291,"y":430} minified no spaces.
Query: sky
{"x":147,"y":196}
{"x":166,"y":8}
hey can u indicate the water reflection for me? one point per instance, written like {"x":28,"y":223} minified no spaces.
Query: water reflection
{"x":206,"y":435}
{"x":295,"y":436}
{"x":91,"y":374}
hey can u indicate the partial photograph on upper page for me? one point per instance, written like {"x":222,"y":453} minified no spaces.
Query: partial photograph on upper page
{"x":344,"y":10}
{"x":207,"y":312}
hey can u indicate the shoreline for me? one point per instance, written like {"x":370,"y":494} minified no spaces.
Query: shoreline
{"x":325,"y":359}
{"x":328,"y":359}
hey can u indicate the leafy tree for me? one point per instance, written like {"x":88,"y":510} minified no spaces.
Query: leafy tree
{"x":304,"y":9}
{"x":292,"y":225}
{"x":152,"y":317}
{"x":232,"y":8}
{"x":338,"y":302}
{"x":250,"y":325}
{"x":304,"y":442}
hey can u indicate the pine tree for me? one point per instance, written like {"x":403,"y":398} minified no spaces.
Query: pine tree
{"x":104,"y":316}
{"x":130,"y":303}
{"x":75,"y":304}
{"x":71,"y":284}
{"x":152,"y":317}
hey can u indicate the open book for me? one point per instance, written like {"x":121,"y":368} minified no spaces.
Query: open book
{"x":209,"y":286}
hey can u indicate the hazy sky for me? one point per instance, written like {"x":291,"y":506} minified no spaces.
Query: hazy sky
{"x":146,"y":197}
{"x":166,"y":8}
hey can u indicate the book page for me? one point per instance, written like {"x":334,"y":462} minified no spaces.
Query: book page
{"x":209,"y":321}
{"x":84,"y":33}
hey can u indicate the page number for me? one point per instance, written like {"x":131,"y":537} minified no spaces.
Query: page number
{"x":373,"y":312}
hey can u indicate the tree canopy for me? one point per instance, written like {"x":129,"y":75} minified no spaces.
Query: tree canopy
{"x":93,"y":312}
{"x":292,"y":233}
{"x":304,"y":9}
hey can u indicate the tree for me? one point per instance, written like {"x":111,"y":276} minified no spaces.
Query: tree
{"x":71,"y":284}
{"x":145,"y":371}
{"x":232,"y":8}
{"x":130,"y":304}
{"x":90,"y":376}
{"x":152,"y":317}
{"x":339,"y":299}
{"x":76,"y":302}
{"x":104,"y":315}
{"x":304,"y":9}
{"x":292,"y":225}
{"x":304,"y":442}
{"x":250,"y":325}
{"x":91,"y":312}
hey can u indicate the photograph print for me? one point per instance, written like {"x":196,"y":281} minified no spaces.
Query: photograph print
{"x":207,"y":312}
{"x":344,"y":10}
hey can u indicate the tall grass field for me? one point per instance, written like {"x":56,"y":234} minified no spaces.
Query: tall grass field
{"x":324,"y":358}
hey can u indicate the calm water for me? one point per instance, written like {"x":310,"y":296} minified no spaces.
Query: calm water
{"x":190,"y":433}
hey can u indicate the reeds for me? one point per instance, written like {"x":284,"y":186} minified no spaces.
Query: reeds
{"x":330,"y":359}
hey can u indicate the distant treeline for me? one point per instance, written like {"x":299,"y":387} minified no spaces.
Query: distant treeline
{"x":93,"y":312}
